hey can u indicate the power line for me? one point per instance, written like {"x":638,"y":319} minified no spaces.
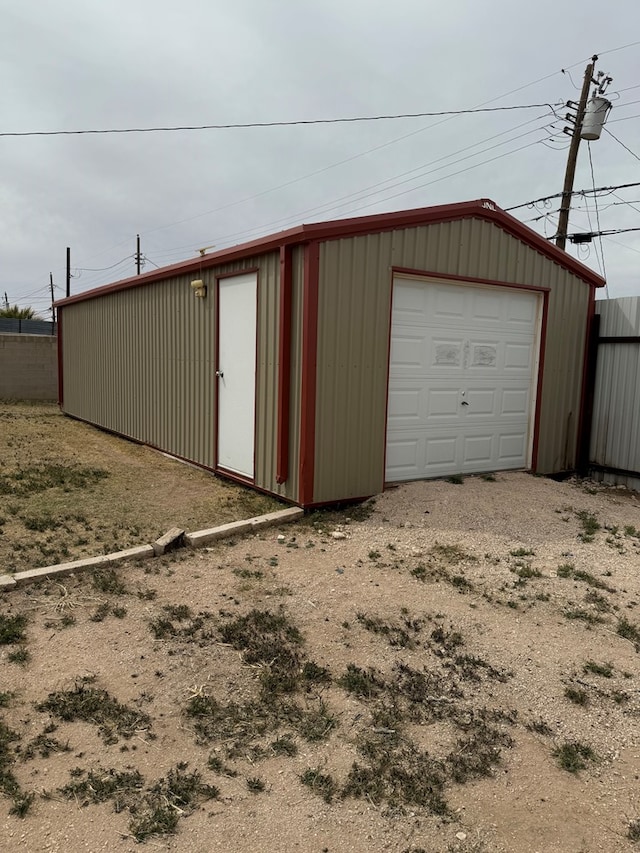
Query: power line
{"x":575,"y":192}
{"x":295,"y":123}
{"x":296,"y":217}
{"x":624,"y":201}
{"x":374,"y":189}
{"x":600,"y":233}
{"x":595,"y":199}
{"x":626,"y":118}
{"x":103,"y":269}
{"x":620,"y":142}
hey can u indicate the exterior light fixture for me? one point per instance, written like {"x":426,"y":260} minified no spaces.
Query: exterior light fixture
{"x":199,"y":288}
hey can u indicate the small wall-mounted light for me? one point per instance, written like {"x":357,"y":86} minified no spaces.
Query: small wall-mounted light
{"x":199,"y":288}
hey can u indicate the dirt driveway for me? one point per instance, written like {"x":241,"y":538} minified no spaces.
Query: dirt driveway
{"x":452,"y":667}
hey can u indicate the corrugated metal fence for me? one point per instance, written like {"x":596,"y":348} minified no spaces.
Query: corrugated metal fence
{"x":11,"y":326}
{"x":614,"y":452}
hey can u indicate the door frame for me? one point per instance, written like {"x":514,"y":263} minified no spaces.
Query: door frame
{"x":226,"y":472}
{"x":430,"y":277}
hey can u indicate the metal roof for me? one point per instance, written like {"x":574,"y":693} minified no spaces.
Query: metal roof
{"x":342,"y":228}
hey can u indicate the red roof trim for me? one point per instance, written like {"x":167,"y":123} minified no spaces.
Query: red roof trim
{"x":343,"y":228}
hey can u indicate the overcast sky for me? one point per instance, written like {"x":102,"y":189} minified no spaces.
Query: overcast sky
{"x":73,"y":64}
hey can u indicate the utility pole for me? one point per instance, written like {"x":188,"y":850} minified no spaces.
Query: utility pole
{"x":565,"y":205}
{"x":68,"y":272}
{"x":138,"y":255}
{"x":53,"y":310}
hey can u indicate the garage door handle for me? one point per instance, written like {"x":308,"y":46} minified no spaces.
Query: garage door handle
{"x":220,"y":374}
{"x":464,"y":403}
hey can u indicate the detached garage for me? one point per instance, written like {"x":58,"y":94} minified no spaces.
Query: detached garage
{"x":320,"y":363}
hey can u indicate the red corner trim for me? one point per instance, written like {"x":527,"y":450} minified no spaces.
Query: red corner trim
{"x":309,"y":365}
{"x":284,"y":365}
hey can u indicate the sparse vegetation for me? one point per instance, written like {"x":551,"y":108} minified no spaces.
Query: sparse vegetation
{"x":629,"y":631}
{"x":320,"y":783}
{"x":603,"y":669}
{"x":21,"y":655}
{"x":95,"y":705}
{"x":66,"y":494}
{"x":109,"y":582}
{"x":32,"y":479}
{"x":403,"y":635}
{"x":540,"y":727}
{"x":271,"y":640}
{"x":573,"y":756}
{"x":589,"y":524}
{"x":255,"y":784}
{"x":12,"y":629}
{"x":583,"y":615}
{"x":577,"y":695}
{"x":408,"y":696}
{"x":154,"y":811}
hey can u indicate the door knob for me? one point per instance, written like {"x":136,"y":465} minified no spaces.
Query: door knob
{"x":220,"y":374}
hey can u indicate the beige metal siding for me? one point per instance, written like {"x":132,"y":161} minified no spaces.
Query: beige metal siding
{"x":615,"y":437}
{"x":353,"y":333}
{"x":140,"y":362}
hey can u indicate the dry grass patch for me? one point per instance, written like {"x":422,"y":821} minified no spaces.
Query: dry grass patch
{"x":69,"y":490}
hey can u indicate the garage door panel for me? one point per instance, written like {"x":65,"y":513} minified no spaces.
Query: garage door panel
{"x":442,"y":403}
{"x":405,"y":405}
{"x":512,"y":447}
{"x":484,"y":354}
{"x":441,"y":450}
{"x":407,"y":351}
{"x":409,"y":302}
{"x":402,"y":457}
{"x":521,"y":309}
{"x":486,"y":305}
{"x":515,"y":401}
{"x":445,"y":352}
{"x":481,"y":402}
{"x":518,"y":356}
{"x":477,"y":449}
{"x":449,"y":303}
{"x":461,"y":378}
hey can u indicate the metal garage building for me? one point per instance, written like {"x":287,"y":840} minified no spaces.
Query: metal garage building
{"x":321,"y":362}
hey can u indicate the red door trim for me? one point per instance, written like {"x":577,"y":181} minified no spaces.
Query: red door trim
{"x":309,"y":367}
{"x":284,"y":365}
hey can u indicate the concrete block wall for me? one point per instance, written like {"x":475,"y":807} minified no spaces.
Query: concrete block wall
{"x":28,"y":367}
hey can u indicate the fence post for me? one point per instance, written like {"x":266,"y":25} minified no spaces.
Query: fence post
{"x":584,"y":446}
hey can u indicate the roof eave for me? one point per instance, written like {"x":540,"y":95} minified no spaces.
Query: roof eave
{"x":344,"y":228}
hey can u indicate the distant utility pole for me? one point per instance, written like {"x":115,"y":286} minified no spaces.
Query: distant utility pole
{"x":6,"y":301}
{"x":138,"y":255}
{"x":576,"y":136}
{"x":53,"y":299}
{"x":68,"y":272}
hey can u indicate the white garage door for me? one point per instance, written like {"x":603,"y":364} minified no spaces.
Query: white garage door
{"x":462,"y":378}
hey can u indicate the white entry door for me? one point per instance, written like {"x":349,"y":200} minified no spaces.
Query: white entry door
{"x":236,"y":373}
{"x":462,"y":378}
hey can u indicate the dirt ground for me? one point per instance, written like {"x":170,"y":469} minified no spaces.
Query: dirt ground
{"x":449,"y":667}
{"x":68,"y":490}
